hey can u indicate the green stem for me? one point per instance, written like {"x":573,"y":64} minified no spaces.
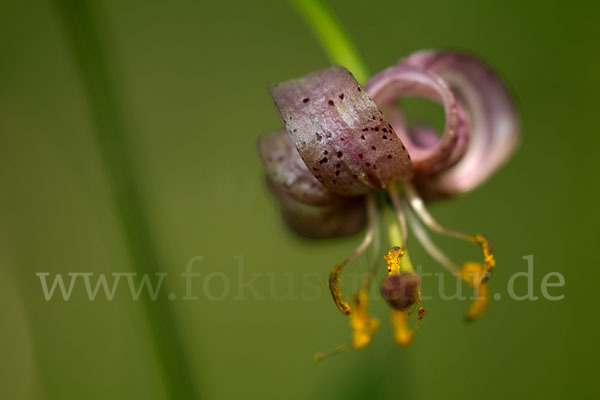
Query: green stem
{"x":84,"y":29}
{"x":333,"y":37}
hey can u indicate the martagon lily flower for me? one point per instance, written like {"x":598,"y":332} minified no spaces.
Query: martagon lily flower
{"x":345,"y":144}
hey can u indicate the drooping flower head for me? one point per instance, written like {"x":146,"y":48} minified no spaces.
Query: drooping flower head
{"x":344,"y":142}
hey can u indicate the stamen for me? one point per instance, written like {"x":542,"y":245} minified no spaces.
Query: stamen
{"x":398,"y":258}
{"x":473,"y":273}
{"x":402,"y":332}
{"x":336,"y":292}
{"x":435,"y":252}
{"x":419,"y":208}
{"x":362,"y":324}
{"x":393,"y":259}
{"x":337,"y":350}
{"x":336,"y":271}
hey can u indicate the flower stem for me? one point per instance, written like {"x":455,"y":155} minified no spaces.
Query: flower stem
{"x":85,"y":30}
{"x":334,"y":39}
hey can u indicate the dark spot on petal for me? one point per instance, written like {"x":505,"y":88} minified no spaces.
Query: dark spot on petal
{"x":337,"y":173}
{"x":376,"y":129}
{"x":374,"y":118}
{"x":342,"y":96}
{"x":373,"y":148}
{"x":330,"y":102}
{"x":319,"y":137}
{"x":359,"y":89}
{"x":323,"y":160}
{"x":374,"y":166}
{"x":339,"y":154}
{"x":362,"y":137}
{"x":384,"y":137}
{"x":389,"y":156}
{"x":338,"y":165}
{"x":368,"y":164}
{"x":385,"y":130}
{"x":305,"y":100}
{"x":365,"y":129}
{"x":360,"y":155}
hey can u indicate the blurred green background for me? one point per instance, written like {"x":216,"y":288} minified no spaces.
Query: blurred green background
{"x":191,"y":80}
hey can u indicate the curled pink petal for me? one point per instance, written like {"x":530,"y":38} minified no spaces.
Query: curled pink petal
{"x":339,"y":132}
{"x":493,"y":118}
{"x":341,"y":217}
{"x":403,"y":81}
{"x":287,"y":171}
{"x":423,"y":136}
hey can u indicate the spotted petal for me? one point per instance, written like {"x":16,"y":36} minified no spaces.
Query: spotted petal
{"x":287,"y":171}
{"x":340,"y":217}
{"x":339,"y":132}
{"x":403,"y":81}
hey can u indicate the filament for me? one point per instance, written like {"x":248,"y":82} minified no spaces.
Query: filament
{"x":337,"y":350}
{"x":418,"y":206}
{"x":435,"y":252}
{"x":336,"y":271}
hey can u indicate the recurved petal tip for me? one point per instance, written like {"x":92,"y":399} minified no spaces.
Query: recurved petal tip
{"x":287,"y":171}
{"x":492,"y":115}
{"x":405,"y":81}
{"x":340,"y":217}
